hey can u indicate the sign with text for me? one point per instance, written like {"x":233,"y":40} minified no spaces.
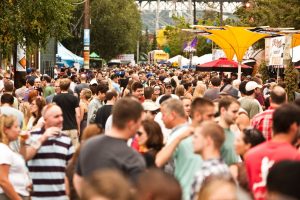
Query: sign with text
{"x":276,"y":50}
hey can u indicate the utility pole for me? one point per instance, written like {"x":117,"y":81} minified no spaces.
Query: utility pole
{"x":221,"y":12}
{"x":86,"y":36}
{"x":195,"y":13}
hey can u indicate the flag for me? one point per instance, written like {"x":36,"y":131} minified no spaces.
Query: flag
{"x":194,"y":42}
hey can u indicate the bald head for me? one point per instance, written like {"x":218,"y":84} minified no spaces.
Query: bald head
{"x":278,"y":95}
{"x":53,"y":116}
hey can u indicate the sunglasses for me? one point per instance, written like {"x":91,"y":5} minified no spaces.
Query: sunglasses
{"x":139,"y":133}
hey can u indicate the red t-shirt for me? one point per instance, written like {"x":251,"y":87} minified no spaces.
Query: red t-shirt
{"x":260,"y":159}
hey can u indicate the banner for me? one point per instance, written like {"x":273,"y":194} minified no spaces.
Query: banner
{"x":21,"y":59}
{"x":276,"y":50}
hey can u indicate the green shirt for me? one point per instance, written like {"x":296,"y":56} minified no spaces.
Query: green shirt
{"x":227,"y":151}
{"x":186,"y":162}
{"x":48,"y":90}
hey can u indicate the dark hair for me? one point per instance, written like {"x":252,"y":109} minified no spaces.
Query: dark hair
{"x":253,"y":136}
{"x":215,"y":81}
{"x":136,"y":85}
{"x":164,"y":98}
{"x":110,"y":94}
{"x":199,"y":104}
{"x":47,"y":79}
{"x":225,"y":102}
{"x":283,"y":179}
{"x":154,"y":133}
{"x":103,"y":88}
{"x":124,"y":110}
{"x":8,"y":86}
{"x":284,"y":117}
{"x":40,"y":102}
{"x":242,"y":87}
{"x":148,"y":91}
{"x":7,"y":98}
{"x":187,"y":85}
{"x":30,"y":80}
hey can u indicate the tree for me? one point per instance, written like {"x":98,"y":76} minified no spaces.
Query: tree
{"x":144,"y":42}
{"x":291,"y":80}
{"x":177,"y":38}
{"x":115,"y":28}
{"x":154,"y":42}
{"x":274,"y":13}
{"x":32,"y":23}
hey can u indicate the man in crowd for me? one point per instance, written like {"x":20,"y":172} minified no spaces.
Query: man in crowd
{"x":47,"y":151}
{"x":71,"y":112}
{"x":208,"y":140}
{"x":105,"y":111}
{"x":83,"y":84}
{"x":260,"y":159}
{"x":96,"y":102}
{"x":47,"y":88}
{"x":264,"y":121}
{"x":182,"y":163}
{"x":228,"y":109}
{"x":110,"y":151}
{"x":138,"y":91}
{"x":248,"y":102}
{"x":213,"y":92}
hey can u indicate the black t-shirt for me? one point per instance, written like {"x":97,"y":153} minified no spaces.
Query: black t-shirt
{"x":105,"y":152}
{"x":102,"y":114}
{"x":68,"y":103}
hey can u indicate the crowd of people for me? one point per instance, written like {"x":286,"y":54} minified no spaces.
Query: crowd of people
{"x":147,"y":133}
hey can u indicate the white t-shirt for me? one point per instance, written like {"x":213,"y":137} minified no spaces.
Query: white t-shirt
{"x":18,"y":175}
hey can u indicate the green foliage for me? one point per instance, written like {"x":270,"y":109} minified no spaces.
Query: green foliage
{"x":144,"y":42}
{"x":115,"y":28}
{"x":154,"y":43}
{"x":263,"y":70}
{"x":177,"y":38}
{"x":32,"y":23}
{"x":291,"y":80}
{"x":274,"y":13}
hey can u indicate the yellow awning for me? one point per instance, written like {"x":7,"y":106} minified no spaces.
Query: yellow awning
{"x":228,"y":50}
{"x":239,"y":38}
{"x":296,"y":40}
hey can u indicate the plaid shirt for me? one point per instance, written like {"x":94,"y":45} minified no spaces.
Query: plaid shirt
{"x":213,"y":167}
{"x":263,"y":122}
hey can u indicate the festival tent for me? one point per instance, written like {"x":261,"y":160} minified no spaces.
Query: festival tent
{"x":202,"y":59}
{"x":66,"y":57}
{"x":179,"y":59}
{"x":223,"y":65}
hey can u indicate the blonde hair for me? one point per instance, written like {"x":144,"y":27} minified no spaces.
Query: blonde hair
{"x":199,"y":90}
{"x":6,"y":121}
{"x":179,"y":91}
{"x":87,"y":93}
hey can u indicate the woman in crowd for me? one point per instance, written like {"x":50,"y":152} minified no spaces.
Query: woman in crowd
{"x":150,"y":141}
{"x":14,"y":179}
{"x":199,"y":90}
{"x":179,"y":91}
{"x":247,"y":139}
{"x":157,"y":92}
{"x":85,"y":96}
{"x":36,"y":108}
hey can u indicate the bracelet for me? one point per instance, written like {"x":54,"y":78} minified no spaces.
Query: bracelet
{"x":35,"y":144}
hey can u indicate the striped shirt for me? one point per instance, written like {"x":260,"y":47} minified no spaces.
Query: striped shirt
{"x":47,"y":168}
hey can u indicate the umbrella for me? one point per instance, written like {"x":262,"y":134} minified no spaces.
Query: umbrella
{"x":94,"y":56}
{"x":223,"y":65}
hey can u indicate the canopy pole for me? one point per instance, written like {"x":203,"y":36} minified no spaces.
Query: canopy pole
{"x":239,"y":70}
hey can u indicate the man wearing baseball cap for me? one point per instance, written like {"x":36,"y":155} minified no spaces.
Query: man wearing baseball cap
{"x":248,"y":102}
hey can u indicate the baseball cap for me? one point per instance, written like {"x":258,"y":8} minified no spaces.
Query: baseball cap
{"x":252,"y":85}
{"x":150,"y":106}
{"x":93,"y":81}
